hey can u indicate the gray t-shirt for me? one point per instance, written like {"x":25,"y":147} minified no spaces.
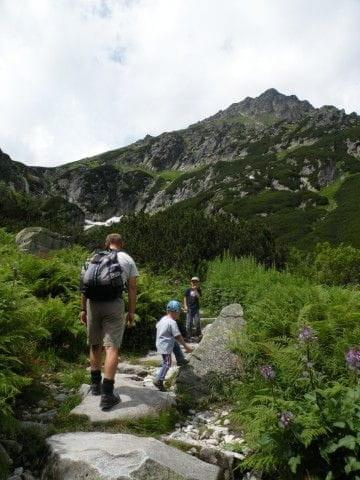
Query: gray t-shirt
{"x":128,"y":266}
{"x":166,"y":331}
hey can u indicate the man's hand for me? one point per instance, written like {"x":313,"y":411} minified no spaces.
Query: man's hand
{"x":83,"y":317}
{"x":130,"y":319}
{"x":188,"y":349}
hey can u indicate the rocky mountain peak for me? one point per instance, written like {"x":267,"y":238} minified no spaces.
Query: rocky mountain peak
{"x":272,"y":102}
{"x":270,"y":105}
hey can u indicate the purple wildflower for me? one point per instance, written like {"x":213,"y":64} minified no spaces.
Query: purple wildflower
{"x":267,"y":372}
{"x":285,"y":418}
{"x":306,"y":335}
{"x":353,"y":358}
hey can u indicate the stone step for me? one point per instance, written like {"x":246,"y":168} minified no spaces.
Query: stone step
{"x":109,"y":456}
{"x":137,"y":401}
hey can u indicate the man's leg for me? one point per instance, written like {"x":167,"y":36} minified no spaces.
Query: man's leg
{"x":95,"y":369}
{"x":94,"y":332}
{"x":111,"y":362}
{"x":189,"y":324}
{"x":197,"y":324}
{"x":113,"y":327}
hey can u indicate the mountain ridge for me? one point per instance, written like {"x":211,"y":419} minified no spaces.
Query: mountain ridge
{"x":259,"y":157}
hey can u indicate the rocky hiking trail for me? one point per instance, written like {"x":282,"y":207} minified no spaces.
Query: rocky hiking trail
{"x":203,"y":444}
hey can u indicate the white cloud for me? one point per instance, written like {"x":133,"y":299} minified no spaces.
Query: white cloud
{"x":81,"y":77}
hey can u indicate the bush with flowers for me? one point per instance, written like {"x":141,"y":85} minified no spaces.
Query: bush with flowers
{"x":298,"y":401}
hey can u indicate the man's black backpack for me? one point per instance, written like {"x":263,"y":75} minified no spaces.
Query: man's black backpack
{"x":101,"y":277}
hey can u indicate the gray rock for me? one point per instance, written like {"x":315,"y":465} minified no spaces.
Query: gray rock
{"x":219,"y":458}
{"x":40,"y":427}
{"x":213,"y":358}
{"x":46,"y":417}
{"x":129,"y":369}
{"x":18,"y":471}
{"x":27,"y":475}
{"x":40,"y":240}
{"x":12,"y":446}
{"x":60,"y":397}
{"x":137,"y":401}
{"x":5,"y":458}
{"x":14,"y":477}
{"x":106,"y":456}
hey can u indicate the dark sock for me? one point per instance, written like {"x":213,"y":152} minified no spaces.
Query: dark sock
{"x":95,"y":376}
{"x":107,"y":387}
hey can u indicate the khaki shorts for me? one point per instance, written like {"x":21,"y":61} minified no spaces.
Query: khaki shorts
{"x":105,"y":322}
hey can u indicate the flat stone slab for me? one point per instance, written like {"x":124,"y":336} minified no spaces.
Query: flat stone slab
{"x":107,"y":456}
{"x":137,"y":401}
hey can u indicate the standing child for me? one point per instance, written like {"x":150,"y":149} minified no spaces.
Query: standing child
{"x":167,"y":332}
{"x":192,"y":308}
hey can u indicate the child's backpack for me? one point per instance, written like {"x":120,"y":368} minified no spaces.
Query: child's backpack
{"x":101,"y":277}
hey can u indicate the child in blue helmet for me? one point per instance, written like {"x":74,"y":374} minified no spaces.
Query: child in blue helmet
{"x":167,"y":333}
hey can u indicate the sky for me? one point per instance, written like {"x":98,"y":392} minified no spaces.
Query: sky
{"x":80,"y":77}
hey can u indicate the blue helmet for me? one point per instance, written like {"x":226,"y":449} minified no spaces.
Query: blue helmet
{"x":173,"y":306}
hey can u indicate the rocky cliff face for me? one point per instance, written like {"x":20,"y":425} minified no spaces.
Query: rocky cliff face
{"x":256,"y":158}
{"x":19,"y":177}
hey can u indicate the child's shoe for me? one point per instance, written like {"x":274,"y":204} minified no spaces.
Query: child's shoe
{"x":160,"y":385}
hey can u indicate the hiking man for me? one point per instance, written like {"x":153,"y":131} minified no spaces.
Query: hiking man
{"x":192,"y":307}
{"x":103,"y":280}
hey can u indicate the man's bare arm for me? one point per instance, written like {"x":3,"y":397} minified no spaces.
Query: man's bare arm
{"x":132,"y":292}
{"x":83,"y":313}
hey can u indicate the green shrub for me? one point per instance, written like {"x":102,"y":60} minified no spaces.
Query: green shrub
{"x":337,"y":265}
{"x":327,"y":264}
{"x":312,"y":381}
{"x":181,"y":240}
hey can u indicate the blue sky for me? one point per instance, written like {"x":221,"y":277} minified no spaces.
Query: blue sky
{"x":79,"y":77}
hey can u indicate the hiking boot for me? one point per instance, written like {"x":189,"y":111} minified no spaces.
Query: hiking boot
{"x":109,"y":401}
{"x":95,"y":389}
{"x":95,"y":382}
{"x":160,"y":385}
{"x":182,"y":363}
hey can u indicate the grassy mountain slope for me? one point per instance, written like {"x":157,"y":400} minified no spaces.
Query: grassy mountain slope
{"x":274,"y":158}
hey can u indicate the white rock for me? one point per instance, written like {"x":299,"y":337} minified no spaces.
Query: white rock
{"x":136,"y":401}
{"x":212,"y":441}
{"x":229,"y":438}
{"x":226,"y":421}
{"x":106,"y":456}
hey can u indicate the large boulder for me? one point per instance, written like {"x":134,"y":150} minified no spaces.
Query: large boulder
{"x":40,"y":240}
{"x":213,"y":358}
{"x":108,"y":456}
{"x":137,"y":401}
